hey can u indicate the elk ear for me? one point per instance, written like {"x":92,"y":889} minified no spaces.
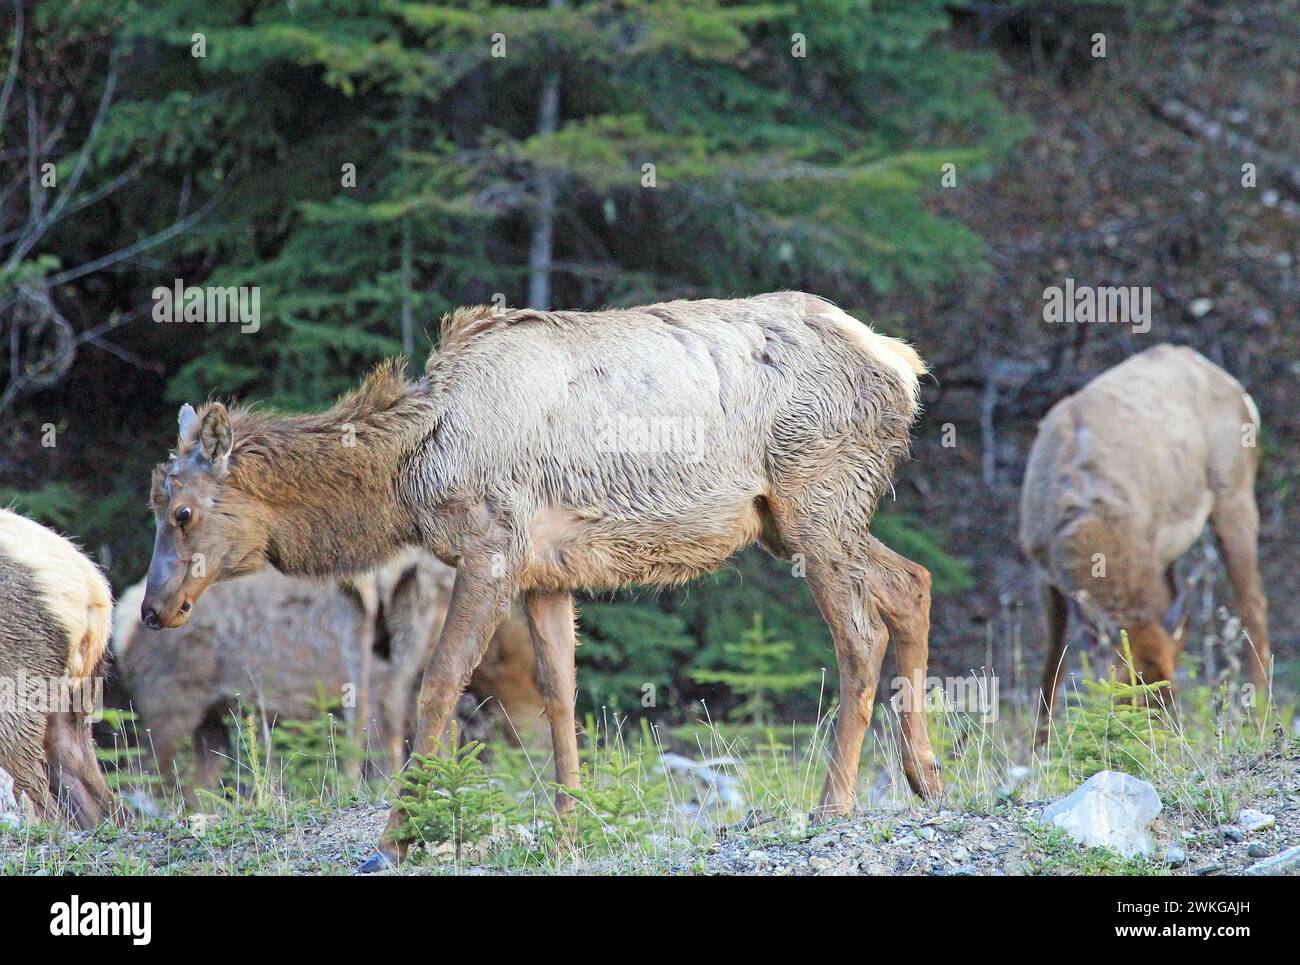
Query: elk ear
{"x":188,"y":423}
{"x":215,"y":440}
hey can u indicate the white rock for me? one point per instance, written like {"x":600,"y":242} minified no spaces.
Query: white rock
{"x":1109,"y":810}
{"x":713,"y":785}
{"x":1286,"y":863}
{"x":1252,"y":820}
{"x":12,"y":812}
{"x":1201,"y":306}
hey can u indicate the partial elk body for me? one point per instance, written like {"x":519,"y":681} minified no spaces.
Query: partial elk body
{"x":547,"y":452}
{"x":55,"y":612}
{"x":1121,"y":480}
{"x":278,"y":642}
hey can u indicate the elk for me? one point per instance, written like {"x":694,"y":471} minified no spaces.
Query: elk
{"x":55,"y":612}
{"x":549,"y":452}
{"x":278,"y":642}
{"x":405,"y":602}
{"x":1121,"y":480}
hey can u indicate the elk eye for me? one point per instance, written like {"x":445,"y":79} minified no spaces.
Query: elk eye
{"x":183,"y":515}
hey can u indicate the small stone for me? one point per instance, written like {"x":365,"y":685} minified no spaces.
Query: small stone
{"x":824,"y":841}
{"x":1286,"y":863}
{"x":1233,"y":833}
{"x":965,"y":870}
{"x":1208,"y":869}
{"x":1252,"y":820}
{"x":1201,"y":306}
{"x":819,"y":862}
{"x":960,"y":854}
{"x":1258,"y":849}
{"x":1175,"y":856}
{"x":925,"y":834}
{"x":988,"y":846}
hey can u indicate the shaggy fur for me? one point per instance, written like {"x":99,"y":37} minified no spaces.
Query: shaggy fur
{"x":55,"y":613}
{"x":546,"y":452}
{"x":1132,"y":467}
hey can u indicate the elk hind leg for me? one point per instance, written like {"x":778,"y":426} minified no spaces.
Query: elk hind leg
{"x":860,"y":636}
{"x":901,"y":589}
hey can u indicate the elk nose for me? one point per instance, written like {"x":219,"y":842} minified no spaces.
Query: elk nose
{"x":150,"y":618}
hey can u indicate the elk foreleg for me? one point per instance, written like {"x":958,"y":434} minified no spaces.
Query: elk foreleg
{"x":550,"y":618}
{"x":480,"y":599}
{"x":1056,"y":614}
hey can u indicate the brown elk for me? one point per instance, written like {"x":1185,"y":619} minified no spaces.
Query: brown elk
{"x":546,"y":452}
{"x":277,"y":642}
{"x":55,"y":612}
{"x":1121,"y":480}
{"x":405,"y":600}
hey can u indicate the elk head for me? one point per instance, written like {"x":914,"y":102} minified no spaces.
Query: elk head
{"x":1156,"y":644}
{"x":206,"y":529}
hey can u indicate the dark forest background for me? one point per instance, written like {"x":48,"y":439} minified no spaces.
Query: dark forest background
{"x":501,"y":150}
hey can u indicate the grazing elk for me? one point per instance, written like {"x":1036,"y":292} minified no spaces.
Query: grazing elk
{"x":55,"y":613}
{"x":1120,"y":483}
{"x":546,"y":452}
{"x":278,"y":642}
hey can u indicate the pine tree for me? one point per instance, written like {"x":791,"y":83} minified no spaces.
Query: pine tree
{"x":760,"y":670}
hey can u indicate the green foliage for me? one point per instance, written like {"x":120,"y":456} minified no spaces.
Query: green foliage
{"x":795,"y":171}
{"x":1114,"y":724}
{"x":53,"y":504}
{"x":122,"y":762}
{"x":450,"y":797}
{"x":616,"y":804}
{"x":1054,"y":852}
{"x":719,"y":609}
{"x":760,"y":670}
{"x":313,"y":753}
{"x":625,"y":647}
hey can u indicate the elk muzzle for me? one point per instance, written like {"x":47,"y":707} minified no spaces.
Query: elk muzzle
{"x":171,"y":587}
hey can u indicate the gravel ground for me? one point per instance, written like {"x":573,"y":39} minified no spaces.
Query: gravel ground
{"x":916,"y":841}
{"x":1010,"y":842}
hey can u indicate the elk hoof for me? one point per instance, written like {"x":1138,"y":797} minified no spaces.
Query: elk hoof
{"x":379,"y":861}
